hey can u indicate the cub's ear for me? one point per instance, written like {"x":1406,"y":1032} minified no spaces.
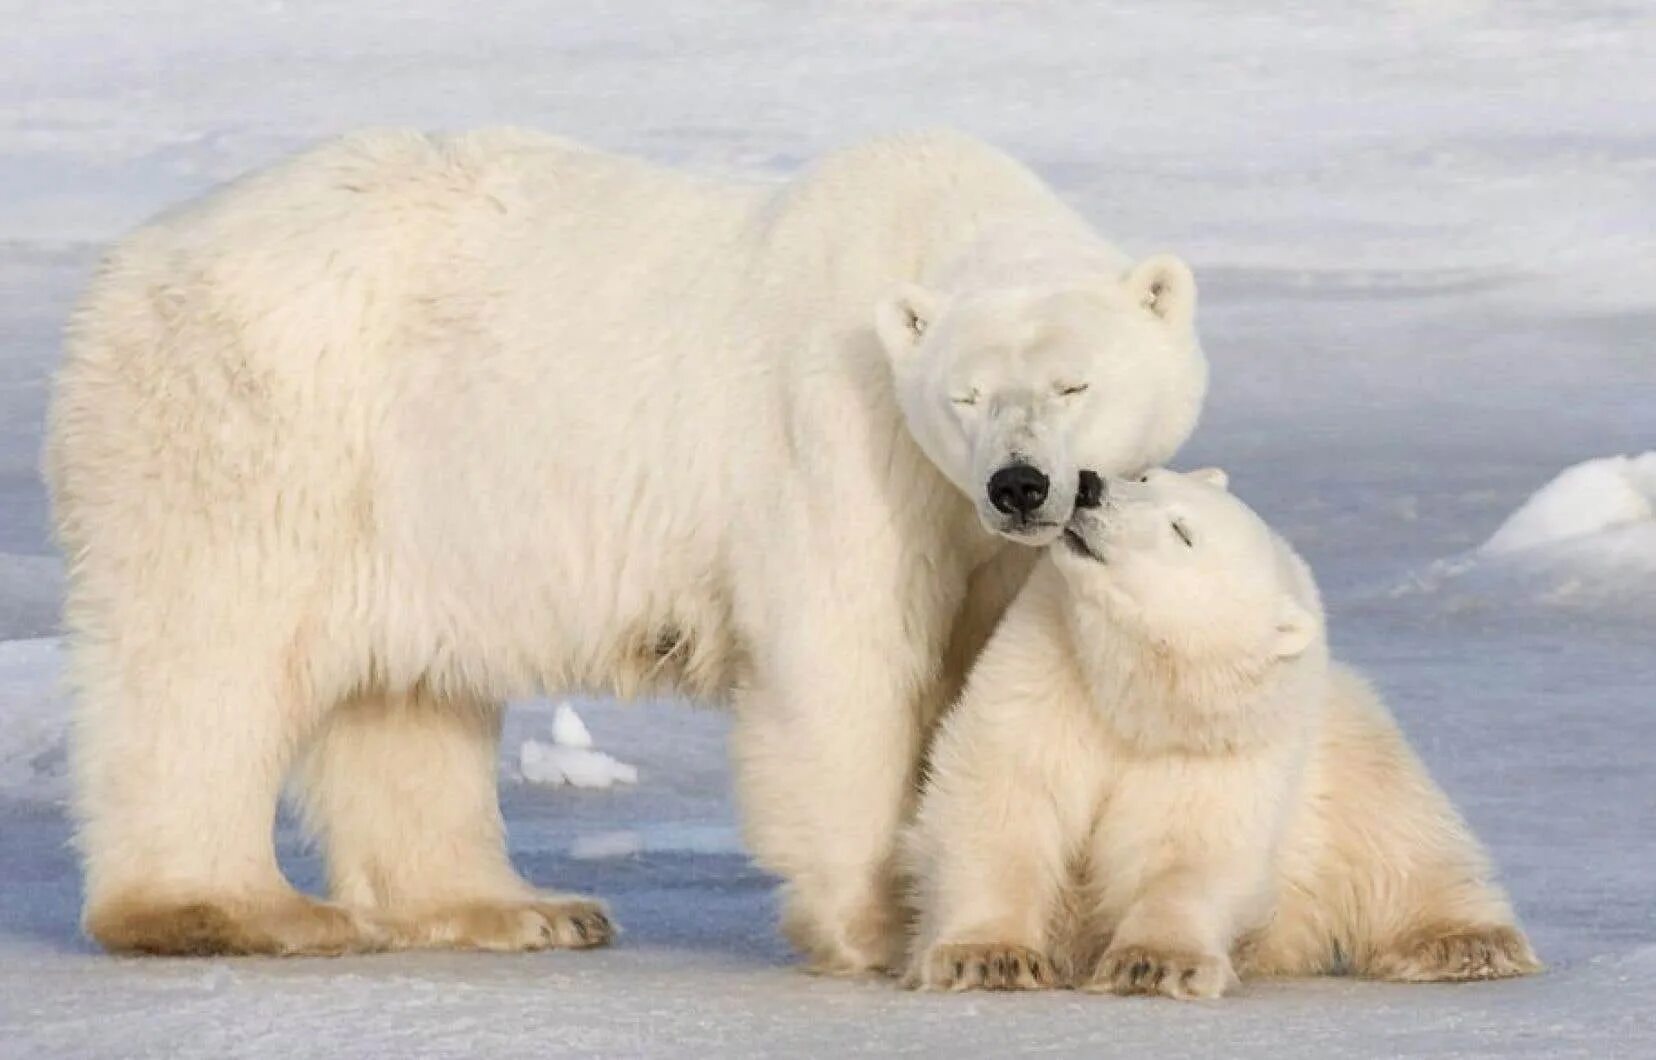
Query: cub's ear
{"x":1164,"y":285}
{"x":1213,"y":476}
{"x":1296,"y":629}
{"x":901,"y":319}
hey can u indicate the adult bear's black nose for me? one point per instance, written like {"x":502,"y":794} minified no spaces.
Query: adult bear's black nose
{"x":1018,"y":488}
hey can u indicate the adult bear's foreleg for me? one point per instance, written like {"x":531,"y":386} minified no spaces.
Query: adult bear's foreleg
{"x":826,"y":745}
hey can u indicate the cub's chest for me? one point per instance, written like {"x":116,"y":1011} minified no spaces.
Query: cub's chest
{"x":1150,"y":804}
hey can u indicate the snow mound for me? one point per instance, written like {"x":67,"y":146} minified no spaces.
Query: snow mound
{"x":1584,"y":541}
{"x":570,"y":758}
{"x":1594,"y":497}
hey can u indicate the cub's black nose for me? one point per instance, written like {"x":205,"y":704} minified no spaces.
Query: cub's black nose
{"x":1090,"y":493}
{"x":1018,"y":489}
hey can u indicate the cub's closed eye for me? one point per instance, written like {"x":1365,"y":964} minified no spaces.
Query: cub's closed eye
{"x":1184,"y":534}
{"x":968,"y":398}
{"x":1070,"y":389}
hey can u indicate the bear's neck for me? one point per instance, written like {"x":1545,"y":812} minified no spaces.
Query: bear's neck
{"x":1158,"y":698}
{"x":1021,"y":252}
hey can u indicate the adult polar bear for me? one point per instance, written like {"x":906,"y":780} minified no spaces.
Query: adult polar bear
{"x":354,"y":450}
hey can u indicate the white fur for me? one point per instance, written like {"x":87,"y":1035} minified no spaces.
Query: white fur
{"x":1018,"y":363}
{"x":1155,"y":772}
{"x":355,"y":449}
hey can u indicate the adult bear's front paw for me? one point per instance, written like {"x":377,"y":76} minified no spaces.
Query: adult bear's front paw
{"x":982,"y":966}
{"x":866,"y":939}
{"x":552,"y":921}
{"x":1172,"y":973}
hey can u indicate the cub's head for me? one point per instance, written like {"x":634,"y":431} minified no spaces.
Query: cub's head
{"x":1175,"y":561}
{"x":1012,"y":391}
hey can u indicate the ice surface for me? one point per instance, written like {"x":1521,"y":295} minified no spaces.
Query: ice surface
{"x":1423,"y":235}
{"x":33,"y":721}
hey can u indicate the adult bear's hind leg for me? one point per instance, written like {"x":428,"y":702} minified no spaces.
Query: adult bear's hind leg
{"x":401,"y":789}
{"x":180,"y":751}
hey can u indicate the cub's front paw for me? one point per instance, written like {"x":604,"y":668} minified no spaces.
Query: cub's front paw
{"x":1153,"y":970}
{"x":1458,"y":954}
{"x":982,"y":966}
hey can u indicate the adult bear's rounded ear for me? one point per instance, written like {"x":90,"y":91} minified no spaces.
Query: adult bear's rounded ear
{"x":902,"y":319}
{"x":1164,"y":285}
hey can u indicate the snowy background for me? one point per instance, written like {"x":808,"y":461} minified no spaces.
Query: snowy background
{"x":1426,"y":238}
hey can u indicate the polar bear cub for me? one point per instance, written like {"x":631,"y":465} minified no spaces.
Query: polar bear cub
{"x":1156,"y":780}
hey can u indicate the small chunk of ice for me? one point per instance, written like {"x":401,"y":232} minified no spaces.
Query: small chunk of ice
{"x":570,"y":758}
{"x":568,"y":730}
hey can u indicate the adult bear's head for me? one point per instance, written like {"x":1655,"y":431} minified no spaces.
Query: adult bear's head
{"x":1011,"y":391}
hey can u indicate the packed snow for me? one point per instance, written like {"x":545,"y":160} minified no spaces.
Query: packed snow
{"x":570,"y":758}
{"x":1584,"y":541}
{"x":1423,"y":234}
{"x":1597,"y":499}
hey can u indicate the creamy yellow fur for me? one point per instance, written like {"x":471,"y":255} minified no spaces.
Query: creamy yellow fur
{"x":1156,"y":782}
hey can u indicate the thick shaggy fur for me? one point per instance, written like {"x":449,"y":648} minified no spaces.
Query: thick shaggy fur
{"x":357,"y":448}
{"x":1155,"y":782}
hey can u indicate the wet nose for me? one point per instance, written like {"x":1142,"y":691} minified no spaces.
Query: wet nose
{"x":1090,"y":493}
{"x":1018,"y":489}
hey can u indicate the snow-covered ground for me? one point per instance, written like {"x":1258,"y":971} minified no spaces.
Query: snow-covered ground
{"x":1426,"y":235}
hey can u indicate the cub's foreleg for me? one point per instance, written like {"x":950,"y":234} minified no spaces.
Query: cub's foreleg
{"x":1002,"y":820}
{"x":1187,"y":850}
